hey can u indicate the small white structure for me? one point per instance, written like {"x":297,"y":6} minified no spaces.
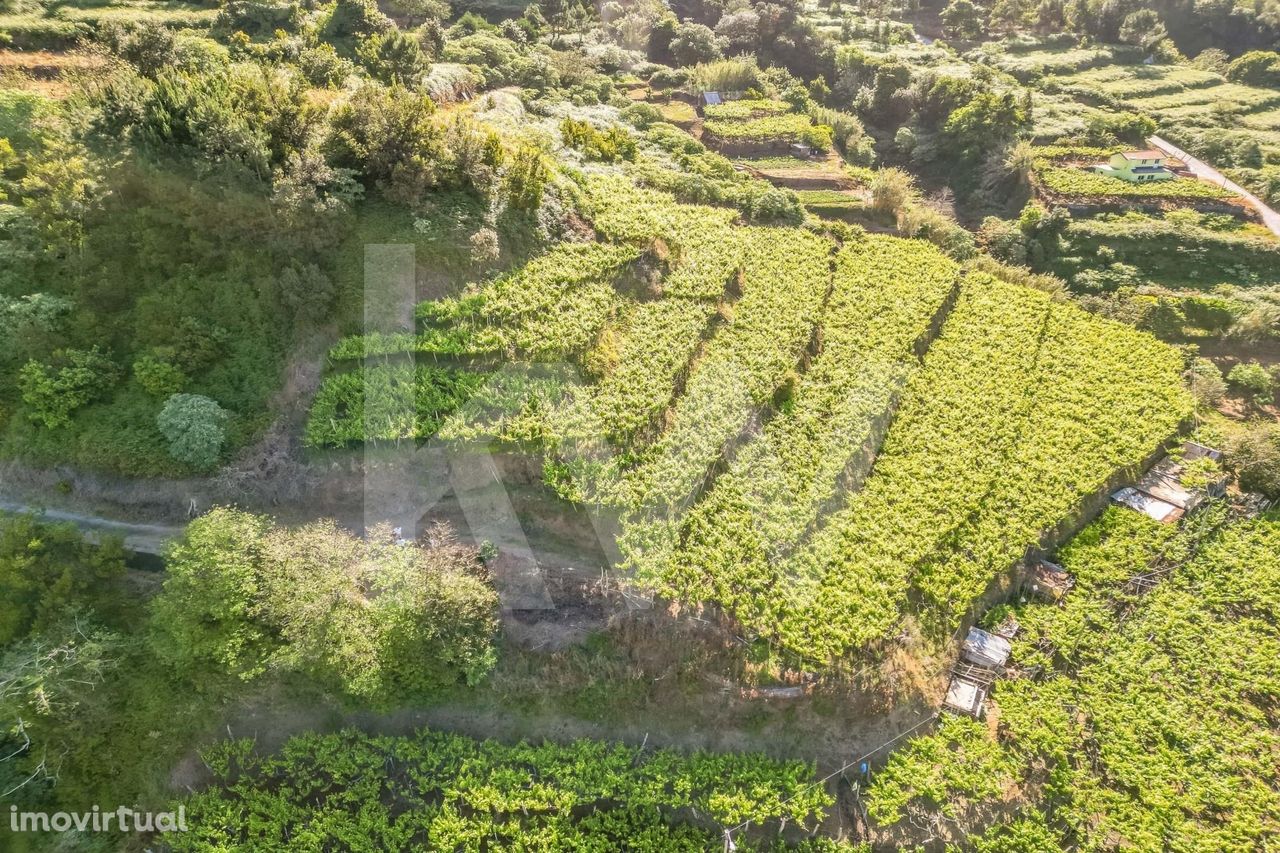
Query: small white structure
{"x":711,"y":99}
{"x":983,"y":648}
{"x":1146,"y":504}
{"x":965,"y":697}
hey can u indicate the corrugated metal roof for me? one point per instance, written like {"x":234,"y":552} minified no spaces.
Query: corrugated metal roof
{"x":1146,"y":504}
{"x":986,"y":649}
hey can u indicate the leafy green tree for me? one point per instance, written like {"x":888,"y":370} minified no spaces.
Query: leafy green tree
{"x":393,"y":57}
{"x":1256,"y":68}
{"x":353,"y":19}
{"x":72,"y":379}
{"x":375,"y":618}
{"x":193,"y":426}
{"x":29,"y":322}
{"x":1143,"y":29}
{"x":209,"y":614}
{"x":146,"y":47}
{"x":695,"y":43}
{"x":47,"y":570}
{"x":963,"y":20}
{"x":985,"y":121}
{"x":1003,"y":240}
{"x":58,"y":187}
{"x":388,"y":136}
{"x":380,"y":619}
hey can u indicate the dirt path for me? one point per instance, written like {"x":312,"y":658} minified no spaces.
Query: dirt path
{"x":140,"y":538}
{"x":1203,"y":170}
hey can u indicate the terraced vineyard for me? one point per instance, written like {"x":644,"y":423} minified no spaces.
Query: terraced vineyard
{"x":1184,"y":99}
{"x":1153,"y":714}
{"x":817,"y":437}
{"x":763,"y":123}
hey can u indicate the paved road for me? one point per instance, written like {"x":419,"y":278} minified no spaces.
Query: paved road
{"x":1202,"y":169}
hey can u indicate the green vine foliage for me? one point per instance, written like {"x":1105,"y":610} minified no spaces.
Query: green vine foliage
{"x":1139,"y":722}
{"x":442,"y":791}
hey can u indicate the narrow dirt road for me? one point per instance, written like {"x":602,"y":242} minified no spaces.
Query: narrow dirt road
{"x":1203,"y":170}
{"x":140,"y":538}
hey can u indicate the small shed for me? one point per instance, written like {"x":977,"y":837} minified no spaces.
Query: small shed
{"x":1164,"y":480}
{"x":965,"y":697}
{"x":801,"y":150}
{"x":1049,"y":580}
{"x":984,"y":648}
{"x":711,"y":99}
{"x":1144,"y":503}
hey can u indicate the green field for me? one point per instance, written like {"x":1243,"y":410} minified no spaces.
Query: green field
{"x":839,"y":555}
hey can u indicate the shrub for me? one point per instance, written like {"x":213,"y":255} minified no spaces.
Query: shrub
{"x":158,"y":375}
{"x":193,"y":426}
{"x":642,"y":116}
{"x":891,"y":191}
{"x":1253,"y":378}
{"x":1254,"y":455}
{"x":47,"y":570}
{"x":74,"y":378}
{"x":1256,"y":68}
{"x":608,"y":146}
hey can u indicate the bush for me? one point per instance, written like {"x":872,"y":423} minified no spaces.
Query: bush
{"x":193,"y":426}
{"x":1256,"y":68}
{"x":891,"y":191}
{"x":642,"y":116}
{"x":48,"y":570}
{"x":1254,"y":455}
{"x":157,"y":374}
{"x":1254,"y":379}
{"x":608,"y":146}
{"x":74,"y":378}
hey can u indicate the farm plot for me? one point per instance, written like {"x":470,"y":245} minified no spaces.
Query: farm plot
{"x":1059,"y":171}
{"x":1011,"y":377}
{"x":730,"y":413}
{"x":757,"y":126}
{"x":1132,"y":81}
{"x":1248,"y":97}
{"x":435,"y":790}
{"x":784,"y":281}
{"x":886,"y":295}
